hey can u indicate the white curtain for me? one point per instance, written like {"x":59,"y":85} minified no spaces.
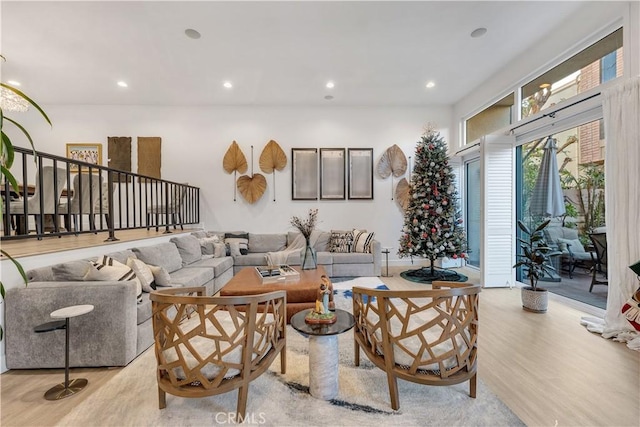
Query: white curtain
{"x":621,"y":110}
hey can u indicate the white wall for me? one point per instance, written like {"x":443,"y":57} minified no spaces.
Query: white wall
{"x":195,"y":139}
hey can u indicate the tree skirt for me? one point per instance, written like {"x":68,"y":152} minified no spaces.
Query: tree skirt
{"x":424,"y":275}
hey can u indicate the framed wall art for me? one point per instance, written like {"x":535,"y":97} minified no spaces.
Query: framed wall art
{"x":304,"y":174}
{"x":84,"y":152}
{"x":332,"y":174}
{"x":360,"y":173}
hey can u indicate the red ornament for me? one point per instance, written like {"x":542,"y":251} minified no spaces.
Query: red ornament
{"x":455,"y":256}
{"x":433,"y":230}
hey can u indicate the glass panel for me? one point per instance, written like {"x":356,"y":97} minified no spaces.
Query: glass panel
{"x":580,"y":173}
{"x":472,"y":188}
{"x":490,"y":119}
{"x":593,"y":66}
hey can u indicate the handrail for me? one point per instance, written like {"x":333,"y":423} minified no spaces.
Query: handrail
{"x":121,"y":200}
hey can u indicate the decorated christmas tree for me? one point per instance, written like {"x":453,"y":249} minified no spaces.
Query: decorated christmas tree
{"x":432,"y":224}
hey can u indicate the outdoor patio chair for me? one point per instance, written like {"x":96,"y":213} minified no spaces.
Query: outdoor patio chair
{"x":599,"y":241}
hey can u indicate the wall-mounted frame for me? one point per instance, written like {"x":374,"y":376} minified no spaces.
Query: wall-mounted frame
{"x":304,"y":174}
{"x":332,"y":174}
{"x":360,"y":173}
{"x":84,"y":152}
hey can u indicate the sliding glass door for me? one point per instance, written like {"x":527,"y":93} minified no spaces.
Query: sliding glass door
{"x":472,"y":210}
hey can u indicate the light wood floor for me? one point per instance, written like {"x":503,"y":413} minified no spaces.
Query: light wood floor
{"x":546,"y":367}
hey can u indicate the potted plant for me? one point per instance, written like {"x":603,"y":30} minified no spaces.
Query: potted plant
{"x":534,"y":259}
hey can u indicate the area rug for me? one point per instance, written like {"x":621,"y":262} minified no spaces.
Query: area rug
{"x":131,"y":399}
{"x":423,"y":275}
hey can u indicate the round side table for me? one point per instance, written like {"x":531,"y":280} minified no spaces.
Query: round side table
{"x":323,"y":351}
{"x":68,"y":387}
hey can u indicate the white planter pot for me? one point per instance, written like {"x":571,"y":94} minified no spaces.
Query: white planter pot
{"x":534,"y":301}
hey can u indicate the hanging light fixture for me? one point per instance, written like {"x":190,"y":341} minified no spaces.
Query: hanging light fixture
{"x":11,"y":101}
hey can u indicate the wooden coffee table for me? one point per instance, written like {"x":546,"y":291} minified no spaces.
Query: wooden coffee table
{"x":301,"y":294}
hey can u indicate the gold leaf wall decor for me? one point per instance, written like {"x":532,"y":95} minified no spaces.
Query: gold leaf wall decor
{"x":403,"y":192}
{"x":272,"y":159}
{"x":252,"y":188}
{"x":234,"y":160}
{"x":393,"y":161}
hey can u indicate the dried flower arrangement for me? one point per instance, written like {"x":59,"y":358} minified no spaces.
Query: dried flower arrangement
{"x":306,"y":226}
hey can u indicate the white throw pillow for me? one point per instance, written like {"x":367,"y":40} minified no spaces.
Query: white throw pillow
{"x":143,"y":273}
{"x":106,"y":268}
{"x":362,"y":241}
{"x":160,"y":275}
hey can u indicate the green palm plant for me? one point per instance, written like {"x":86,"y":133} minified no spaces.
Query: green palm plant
{"x":7,"y":155}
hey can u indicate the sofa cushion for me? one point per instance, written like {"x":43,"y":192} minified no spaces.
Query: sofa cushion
{"x":251,"y":259}
{"x":162,"y":255}
{"x":341,"y":241}
{"x":320,"y":240}
{"x":143,"y":273}
{"x":574,"y":244}
{"x":322,"y":258}
{"x":122,"y":256}
{"x":207,"y":244}
{"x":362,"y":241}
{"x":72,"y":271}
{"x":107,"y":269}
{"x":267,"y":242}
{"x":219,"y":265}
{"x":191,"y":277}
{"x":188,"y":248}
{"x":352,"y":258}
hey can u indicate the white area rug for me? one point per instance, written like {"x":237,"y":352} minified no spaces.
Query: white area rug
{"x":131,"y":398}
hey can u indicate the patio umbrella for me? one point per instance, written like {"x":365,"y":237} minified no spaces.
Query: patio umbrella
{"x":547,"y":198}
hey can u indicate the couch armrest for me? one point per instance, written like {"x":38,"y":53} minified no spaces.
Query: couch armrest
{"x":104,"y":337}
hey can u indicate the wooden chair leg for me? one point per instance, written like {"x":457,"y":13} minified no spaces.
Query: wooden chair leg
{"x":283,"y":360}
{"x":472,"y":385}
{"x":242,"y":403}
{"x":162,"y":398}
{"x":356,"y":349}
{"x":393,"y":391}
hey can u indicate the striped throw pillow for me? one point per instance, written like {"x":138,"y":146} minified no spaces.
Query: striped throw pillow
{"x":362,"y":241}
{"x":106,"y":268}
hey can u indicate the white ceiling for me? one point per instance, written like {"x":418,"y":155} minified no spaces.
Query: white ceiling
{"x":275,"y":53}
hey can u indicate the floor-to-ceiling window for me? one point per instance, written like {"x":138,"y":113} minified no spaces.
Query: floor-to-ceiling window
{"x":472,"y":211}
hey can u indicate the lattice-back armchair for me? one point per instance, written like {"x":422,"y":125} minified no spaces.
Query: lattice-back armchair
{"x":425,"y":336}
{"x":211,"y":345}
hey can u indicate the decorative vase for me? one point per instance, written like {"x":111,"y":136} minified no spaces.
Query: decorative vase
{"x":534,"y":301}
{"x":308,"y":260}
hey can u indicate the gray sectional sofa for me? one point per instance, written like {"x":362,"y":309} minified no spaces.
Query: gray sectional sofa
{"x":120,"y":326}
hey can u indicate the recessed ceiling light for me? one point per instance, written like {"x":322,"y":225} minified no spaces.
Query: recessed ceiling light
{"x":330,"y":85}
{"x":429,"y":85}
{"x":328,"y":97}
{"x":478,"y":32}
{"x":228,"y":85}
{"x":192,"y":34}
{"x":122,"y":83}
{"x":13,"y":83}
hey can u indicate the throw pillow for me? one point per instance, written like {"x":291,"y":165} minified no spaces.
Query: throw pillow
{"x":160,"y":275}
{"x":241,"y":238}
{"x":106,"y":268}
{"x":234,"y":248}
{"x":188,"y":248}
{"x":362,"y":241}
{"x":340,"y":241}
{"x":219,"y":250}
{"x":207,"y":245}
{"x":143,"y":273}
{"x":73,"y":271}
{"x":575,"y":244}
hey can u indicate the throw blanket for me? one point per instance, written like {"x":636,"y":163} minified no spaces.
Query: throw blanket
{"x":280,"y":257}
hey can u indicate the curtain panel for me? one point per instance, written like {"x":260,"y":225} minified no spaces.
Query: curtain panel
{"x":621,"y":110}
